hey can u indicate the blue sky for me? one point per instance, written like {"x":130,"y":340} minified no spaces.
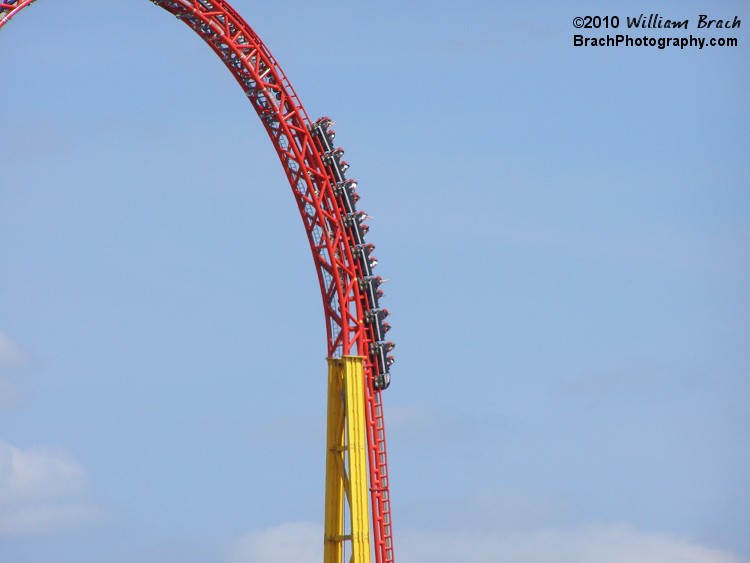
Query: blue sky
{"x":564,"y":230}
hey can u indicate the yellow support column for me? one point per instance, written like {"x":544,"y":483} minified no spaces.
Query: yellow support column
{"x":346,"y":463}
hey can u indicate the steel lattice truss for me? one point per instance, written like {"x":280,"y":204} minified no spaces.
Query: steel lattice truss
{"x":327,"y":204}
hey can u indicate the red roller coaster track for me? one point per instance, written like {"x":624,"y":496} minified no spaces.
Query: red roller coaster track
{"x":326,"y":201}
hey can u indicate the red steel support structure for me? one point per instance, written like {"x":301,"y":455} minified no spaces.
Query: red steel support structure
{"x":325,"y":198}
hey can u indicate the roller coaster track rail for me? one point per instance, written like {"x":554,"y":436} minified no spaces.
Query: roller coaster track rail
{"x":326,"y":198}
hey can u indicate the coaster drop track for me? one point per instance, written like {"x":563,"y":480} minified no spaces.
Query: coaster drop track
{"x":326,"y":198}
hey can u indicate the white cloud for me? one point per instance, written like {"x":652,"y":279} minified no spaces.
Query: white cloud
{"x":594,"y":543}
{"x":291,"y":542}
{"x":42,"y":491}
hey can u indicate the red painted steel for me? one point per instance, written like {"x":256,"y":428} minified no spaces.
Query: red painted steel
{"x":313,"y":182}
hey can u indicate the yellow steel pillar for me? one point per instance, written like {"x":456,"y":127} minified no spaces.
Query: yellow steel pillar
{"x":346,"y":463}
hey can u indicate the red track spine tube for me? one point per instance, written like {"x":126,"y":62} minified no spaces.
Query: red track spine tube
{"x":315,"y":171}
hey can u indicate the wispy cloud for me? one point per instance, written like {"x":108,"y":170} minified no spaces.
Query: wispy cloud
{"x":593,"y":543}
{"x":291,"y":542}
{"x":632,"y":378}
{"x":42,"y":491}
{"x":293,"y":428}
{"x":13,"y":361}
{"x":10,"y":352}
{"x":426,"y":427}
